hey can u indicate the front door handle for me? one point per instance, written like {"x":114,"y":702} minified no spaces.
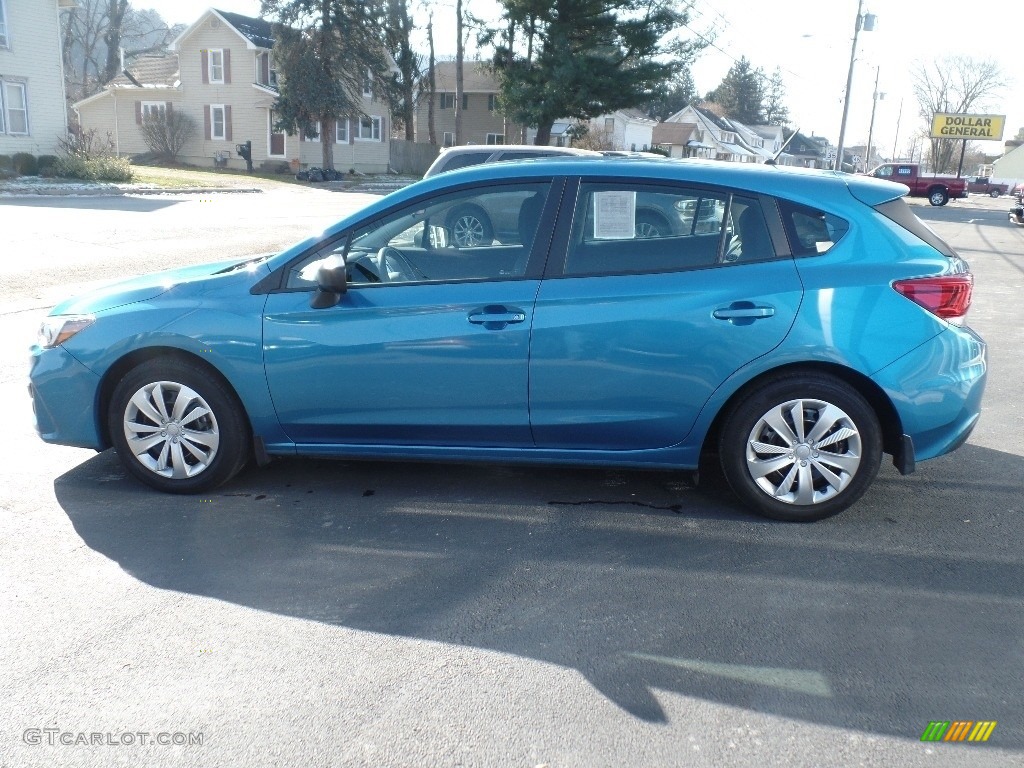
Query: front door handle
{"x":743,"y":312}
{"x":494,"y":318}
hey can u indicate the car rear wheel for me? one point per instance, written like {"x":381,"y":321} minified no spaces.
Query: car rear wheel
{"x":177,"y":428}
{"x":994,"y":193}
{"x":470,"y":227}
{"x":651,"y":225}
{"x":801,"y":449}
{"x":938,"y":196}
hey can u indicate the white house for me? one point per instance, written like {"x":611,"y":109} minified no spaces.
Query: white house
{"x":726,"y":136}
{"x":33,"y":113}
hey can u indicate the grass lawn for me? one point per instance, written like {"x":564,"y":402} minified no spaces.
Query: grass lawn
{"x":178,"y":178}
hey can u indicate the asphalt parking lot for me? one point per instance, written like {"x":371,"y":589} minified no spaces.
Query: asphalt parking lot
{"x":349,"y":613}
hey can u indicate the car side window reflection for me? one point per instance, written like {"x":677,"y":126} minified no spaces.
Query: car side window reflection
{"x":478,"y":234}
{"x":809,"y":230}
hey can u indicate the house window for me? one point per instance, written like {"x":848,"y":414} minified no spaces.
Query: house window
{"x":368,"y":129}
{"x":218,"y":123}
{"x":4,"y":42}
{"x":317,"y":132}
{"x":216,"y":63}
{"x":368,"y":83}
{"x":448,"y":139}
{"x":492,"y":102}
{"x":495,"y":138}
{"x":341,"y":131}
{"x":153,"y":110}
{"x":728,"y":138}
{"x":15,"y":109}
{"x":447,"y":101}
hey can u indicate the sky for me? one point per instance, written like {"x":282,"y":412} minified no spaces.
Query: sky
{"x":810,"y":40}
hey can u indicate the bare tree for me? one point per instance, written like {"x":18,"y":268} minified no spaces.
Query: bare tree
{"x":431,"y":83}
{"x":460,"y":55}
{"x":402,"y":94}
{"x":116,"y":10}
{"x":956,"y":84}
{"x":167,"y":133}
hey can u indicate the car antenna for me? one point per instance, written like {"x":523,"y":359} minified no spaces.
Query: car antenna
{"x":782,"y":149}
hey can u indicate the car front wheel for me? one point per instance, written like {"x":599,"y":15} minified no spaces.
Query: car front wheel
{"x":801,"y":449}
{"x":177,"y":428}
{"x":938,"y":196}
{"x":470,"y":228}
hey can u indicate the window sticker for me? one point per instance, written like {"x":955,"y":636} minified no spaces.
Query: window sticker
{"x":614,"y":215}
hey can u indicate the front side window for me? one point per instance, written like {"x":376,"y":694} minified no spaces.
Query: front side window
{"x":216,"y":59}
{"x":368,"y":129}
{"x":472,"y":235}
{"x":623,"y":229}
{"x":217,"y":121}
{"x":15,"y":106}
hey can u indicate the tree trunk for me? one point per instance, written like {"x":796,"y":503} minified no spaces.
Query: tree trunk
{"x":459,"y":55}
{"x":431,"y":84}
{"x":116,"y":10}
{"x":544,"y":133}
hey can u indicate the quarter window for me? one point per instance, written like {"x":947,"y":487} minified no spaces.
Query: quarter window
{"x":809,"y":230}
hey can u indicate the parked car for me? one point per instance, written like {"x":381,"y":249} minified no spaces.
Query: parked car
{"x":815,"y":326}
{"x":983,"y":185}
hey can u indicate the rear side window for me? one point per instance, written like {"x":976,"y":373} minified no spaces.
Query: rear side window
{"x":809,"y":230}
{"x":898,"y":211}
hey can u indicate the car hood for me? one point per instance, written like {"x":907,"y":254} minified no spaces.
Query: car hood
{"x":145,"y":287}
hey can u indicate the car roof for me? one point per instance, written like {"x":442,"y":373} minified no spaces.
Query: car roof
{"x":512,"y":148}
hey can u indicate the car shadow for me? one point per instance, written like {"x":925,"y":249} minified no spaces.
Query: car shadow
{"x":903,"y":610}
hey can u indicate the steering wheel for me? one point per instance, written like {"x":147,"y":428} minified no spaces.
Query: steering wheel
{"x":393,"y":267}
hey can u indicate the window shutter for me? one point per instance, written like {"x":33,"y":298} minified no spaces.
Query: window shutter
{"x":227,"y":122}
{"x":227,"y":65}
{"x":204,"y":63}
{"x":265,"y":68}
{"x":207,"y":126}
{"x":383,"y":132}
{"x":138,"y":113}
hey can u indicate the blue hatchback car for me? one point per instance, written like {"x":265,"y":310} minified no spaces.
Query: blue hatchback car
{"x":798,"y":324}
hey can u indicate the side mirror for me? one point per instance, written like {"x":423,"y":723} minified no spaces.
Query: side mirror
{"x":331,"y":283}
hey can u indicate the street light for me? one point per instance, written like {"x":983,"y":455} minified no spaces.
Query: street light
{"x":865,"y":21}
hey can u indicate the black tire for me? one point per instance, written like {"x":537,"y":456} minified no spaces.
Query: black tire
{"x":183,"y":440}
{"x":994,"y":193}
{"x":938,"y":196}
{"x":470,"y":227}
{"x":651,"y":225}
{"x":749,"y":444}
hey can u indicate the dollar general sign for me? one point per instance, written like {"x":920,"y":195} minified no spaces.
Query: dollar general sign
{"x":981,"y":127}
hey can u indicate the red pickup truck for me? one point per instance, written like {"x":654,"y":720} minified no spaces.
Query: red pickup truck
{"x":983,"y":185}
{"x":938,"y":189}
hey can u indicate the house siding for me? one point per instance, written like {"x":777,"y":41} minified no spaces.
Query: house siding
{"x":477,"y":121}
{"x":33,"y":59}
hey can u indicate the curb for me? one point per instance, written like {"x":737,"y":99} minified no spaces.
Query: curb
{"x":118,"y":192}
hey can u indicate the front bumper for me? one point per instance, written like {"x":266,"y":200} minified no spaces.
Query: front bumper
{"x":64,"y":399}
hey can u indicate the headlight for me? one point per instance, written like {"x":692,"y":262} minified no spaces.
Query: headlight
{"x":57,"y":329}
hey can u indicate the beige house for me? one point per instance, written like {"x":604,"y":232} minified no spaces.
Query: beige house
{"x":220,"y":71}
{"x":482,"y":122}
{"x":33,"y":113}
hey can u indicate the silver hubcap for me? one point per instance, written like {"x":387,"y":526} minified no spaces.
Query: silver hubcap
{"x":804,"y":452}
{"x":646,"y":229}
{"x":468,"y":230}
{"x":171,"y":430}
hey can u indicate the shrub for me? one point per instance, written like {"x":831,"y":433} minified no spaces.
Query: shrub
{"x":167,"y":134}
{"x":104,"y":168}
{"x":25,"y":164}
{"x":6,"y":164}
{"x":46,"y":163}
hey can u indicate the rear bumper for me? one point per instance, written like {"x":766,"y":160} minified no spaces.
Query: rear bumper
{"x":63,"y":395}
{"x":937,"y":391}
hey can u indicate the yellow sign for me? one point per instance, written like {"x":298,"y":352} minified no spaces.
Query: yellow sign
{"x":980,"y":127}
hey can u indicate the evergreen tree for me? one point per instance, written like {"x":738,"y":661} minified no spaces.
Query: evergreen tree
{"x":742,"y":93}
{"x":324,"y":50}
{"x":673,"y":96}
{"x":775,"y":111}
{"x":585,"y":58}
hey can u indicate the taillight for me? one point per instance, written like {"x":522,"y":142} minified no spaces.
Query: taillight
{"x":948,"y":296}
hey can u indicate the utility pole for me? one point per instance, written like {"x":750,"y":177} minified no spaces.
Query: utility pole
{"x":871,"y":128}
{"x":867,"y":22}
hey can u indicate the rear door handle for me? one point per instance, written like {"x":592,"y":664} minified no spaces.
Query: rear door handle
{"x":496,"y":317}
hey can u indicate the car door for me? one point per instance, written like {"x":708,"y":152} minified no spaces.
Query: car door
{"x":429,"y":344}
{"x":634,"y":332}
